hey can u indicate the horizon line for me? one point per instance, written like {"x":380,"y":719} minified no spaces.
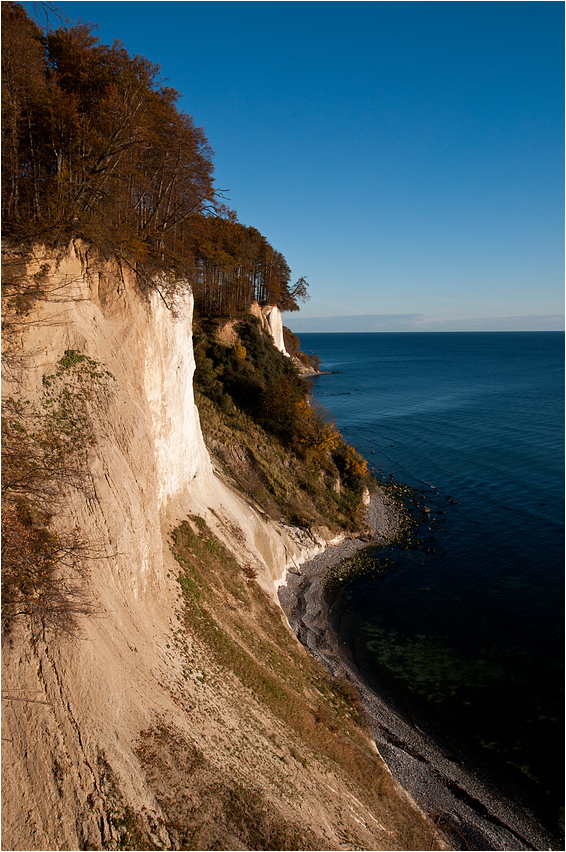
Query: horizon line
{"x":415,"y":323}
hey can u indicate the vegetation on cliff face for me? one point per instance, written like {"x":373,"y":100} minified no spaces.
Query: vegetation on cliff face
{"x":293,"y":347}
{"x":258,"y":419}
{"x":221,"y":599}
{"x":44,"y":456}
{"x":94,"y":146}
{"x":308,"y":723}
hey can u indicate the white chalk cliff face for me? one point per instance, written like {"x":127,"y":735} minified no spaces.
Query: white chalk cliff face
{"x":272,"y":322}
{"x":169,"y":365}
{"x":76,"y":709}
{"x":149,"y":470}
{"x":149,"y":457}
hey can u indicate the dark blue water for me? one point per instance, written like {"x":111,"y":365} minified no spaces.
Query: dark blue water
{"x":466,"y":634}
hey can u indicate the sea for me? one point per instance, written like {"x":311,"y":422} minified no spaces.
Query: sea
{"x":464,"y":631}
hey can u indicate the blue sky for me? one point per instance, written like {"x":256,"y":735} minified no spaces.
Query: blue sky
{"x":406,"y":157}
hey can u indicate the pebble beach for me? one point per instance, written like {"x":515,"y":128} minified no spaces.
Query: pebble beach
{"x":470,"y":815}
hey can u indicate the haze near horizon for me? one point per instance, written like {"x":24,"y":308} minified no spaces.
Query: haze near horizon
{"x":406,"y":157}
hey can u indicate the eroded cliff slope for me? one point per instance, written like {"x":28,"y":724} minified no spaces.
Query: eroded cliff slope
{"x":181,"y":713}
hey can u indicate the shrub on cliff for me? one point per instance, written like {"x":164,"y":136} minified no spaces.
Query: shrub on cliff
{"x":44,"y":455}
{"x":44,"y":571}
{"x":293,"y":347}
{"x":264,"y":384}
{"x":279,"y":446}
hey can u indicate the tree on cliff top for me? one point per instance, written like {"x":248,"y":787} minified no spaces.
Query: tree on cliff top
{"x":93,"y":143}
{"x":93,"y":146}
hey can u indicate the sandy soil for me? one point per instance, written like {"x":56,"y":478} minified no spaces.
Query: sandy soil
{"x":463,"y":807}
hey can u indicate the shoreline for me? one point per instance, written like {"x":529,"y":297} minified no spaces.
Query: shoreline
{"x":470,"y":814}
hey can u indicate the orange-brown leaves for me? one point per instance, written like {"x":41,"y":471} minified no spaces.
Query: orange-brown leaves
{"x":43,"y":571}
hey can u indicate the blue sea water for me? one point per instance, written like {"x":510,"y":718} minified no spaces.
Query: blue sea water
{"x":466,"y":635}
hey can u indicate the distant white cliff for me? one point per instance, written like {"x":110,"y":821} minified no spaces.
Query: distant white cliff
{"x":272,"y":322}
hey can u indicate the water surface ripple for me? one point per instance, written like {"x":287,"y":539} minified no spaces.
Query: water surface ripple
{"x":466,"y":639}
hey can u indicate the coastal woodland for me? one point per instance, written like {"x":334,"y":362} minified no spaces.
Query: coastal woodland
{"x":94,"y":146}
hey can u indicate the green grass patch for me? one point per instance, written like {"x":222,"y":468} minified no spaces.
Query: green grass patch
{"x":245,"y":632}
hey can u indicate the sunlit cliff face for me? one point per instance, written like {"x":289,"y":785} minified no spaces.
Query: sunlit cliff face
{"x":274,"y":322}
{"x":271,"y":321}
{"x":169,"y":366}
{"x":180,"y":453}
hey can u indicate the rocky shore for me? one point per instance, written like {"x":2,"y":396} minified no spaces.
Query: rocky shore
{"x":471,"y":815}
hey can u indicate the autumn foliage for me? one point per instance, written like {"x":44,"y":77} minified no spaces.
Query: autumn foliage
{"x":253,"y":377}
{"x":94,"y":146}
{"x":44,"y":458}
{"x":43,"y":571}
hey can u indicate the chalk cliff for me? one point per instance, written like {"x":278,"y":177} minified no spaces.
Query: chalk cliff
{"x":272,"y":322}
{"x":130,"y":734}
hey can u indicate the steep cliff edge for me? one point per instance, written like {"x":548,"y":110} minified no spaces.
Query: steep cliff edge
{"x":182,"y":713}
